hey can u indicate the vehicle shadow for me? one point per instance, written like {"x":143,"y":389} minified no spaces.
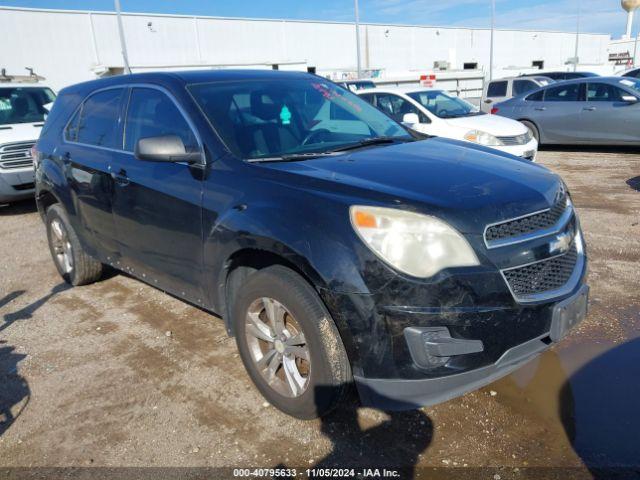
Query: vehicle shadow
{"x":599,"y":412}
{"x":27,"y":311}
{"x":375,"y":440}
{"x":18,"y":208}
{"x":634,"y":183}
{"x":630,"y":150}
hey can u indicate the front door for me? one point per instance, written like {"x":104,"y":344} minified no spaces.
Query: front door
{"x":157,"y":206}
{"x":607,"y":118}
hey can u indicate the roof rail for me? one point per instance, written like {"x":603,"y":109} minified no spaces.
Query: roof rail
{"x":31,"y":78}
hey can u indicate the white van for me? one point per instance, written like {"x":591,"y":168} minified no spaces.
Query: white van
{"x":23,"y":109}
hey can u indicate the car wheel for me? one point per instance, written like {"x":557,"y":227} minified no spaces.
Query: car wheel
{"x":73,"y":263}
{"x":289,"y":344}
{"x":533,"y":129}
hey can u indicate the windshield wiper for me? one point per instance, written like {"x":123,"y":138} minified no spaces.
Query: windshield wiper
{"x":292,"y":157}
{"x":366,"y":142}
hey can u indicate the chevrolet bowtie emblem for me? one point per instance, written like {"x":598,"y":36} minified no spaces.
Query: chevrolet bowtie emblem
{"x":560,"y":244}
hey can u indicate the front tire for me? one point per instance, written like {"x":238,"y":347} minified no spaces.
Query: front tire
{"x":74,"y":265}
{"x":289,"y":344}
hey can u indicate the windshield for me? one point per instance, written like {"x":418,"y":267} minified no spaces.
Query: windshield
{"x":271,"y":118}
{"x":24,"y":104}
{"x":632,"y":83}
{"x":444,"y":105}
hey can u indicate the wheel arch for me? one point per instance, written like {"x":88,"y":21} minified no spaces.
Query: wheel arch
{"x":248,"y":260}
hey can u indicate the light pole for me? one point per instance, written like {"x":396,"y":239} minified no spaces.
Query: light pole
{"x":493,"y":26}
{"x":575,"y":56}
{"x":358,"y":39}
{"x":123,"y":43}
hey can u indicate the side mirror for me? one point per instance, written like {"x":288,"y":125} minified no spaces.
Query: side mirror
{"x":410,"y":119}
{"x":166,"y":148}
{"x":629,"y":99}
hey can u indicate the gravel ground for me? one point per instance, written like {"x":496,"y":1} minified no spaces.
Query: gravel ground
{"x":120,"y":374}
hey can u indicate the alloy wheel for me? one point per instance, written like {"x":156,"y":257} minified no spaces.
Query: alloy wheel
{"x":61,"y":246}
{"x":278,"y":347}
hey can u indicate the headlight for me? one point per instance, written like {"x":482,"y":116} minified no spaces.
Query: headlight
{"x":483,"y":138}
{"x":418,"y":245}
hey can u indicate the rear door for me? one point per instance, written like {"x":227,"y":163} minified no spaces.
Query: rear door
{"x":607,"y":118}
{"x":157,"y":205}
{"x":92,"y":139}
{"x":559,"y":116}
{"x":496,"y":92}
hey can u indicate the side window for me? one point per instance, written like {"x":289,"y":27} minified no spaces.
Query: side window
{"x":367,"y":97}
{"x":98,"y":120}
{"x":497,"y":89}
{"x":564,"y":93}
{"x":71,"y":132}
{"x":152,"y":114}
{"x":397,"y":107}
{"x":522,"y":86}
{"x":535,"y":97}
{"x":603,"y":92}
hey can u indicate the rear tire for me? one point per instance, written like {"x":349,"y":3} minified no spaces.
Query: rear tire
{"x":74,"y":265}
{"x":297,"y":361}
{"x":533,"y":129}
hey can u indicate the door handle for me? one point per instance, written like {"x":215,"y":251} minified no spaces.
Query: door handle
{"x":540,"y":109}
{"x":589,"y":109}
{"x":121,"y":177}
{"x":488,"y":101}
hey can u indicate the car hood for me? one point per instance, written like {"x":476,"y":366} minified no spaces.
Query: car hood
{"x":493,"y":124}
{"x":20,"y":132}
{"x":470,"y":186}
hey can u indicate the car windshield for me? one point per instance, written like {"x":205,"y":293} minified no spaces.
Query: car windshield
{"x":632,"y":83}
{"x":263,"y":119}
{"x":24,"y":104}
{"x":444,"y":105}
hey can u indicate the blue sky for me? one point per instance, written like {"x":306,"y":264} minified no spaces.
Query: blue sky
{"x":602,"y":16}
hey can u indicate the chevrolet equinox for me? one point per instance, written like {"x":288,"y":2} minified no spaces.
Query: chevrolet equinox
{"x":338,"y":248}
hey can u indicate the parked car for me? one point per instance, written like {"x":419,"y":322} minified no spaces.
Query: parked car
{"x":335,"y":246}
{"x":504,"y":88}
{"x":355,"y":85}
{"x":599,"y":110}
{"x":23,"y":107}
{"x":560,"y":76}
{"x":634,"y":72}
{"x":436,"y":112}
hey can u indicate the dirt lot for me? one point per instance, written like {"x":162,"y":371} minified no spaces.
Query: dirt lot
{"x":90,"y":377}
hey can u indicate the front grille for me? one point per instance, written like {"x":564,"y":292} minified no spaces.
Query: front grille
{"x":528,"y":224}
{"x":516,"y":140}
{"x":544,"y":276}
{"x":16,"y":155}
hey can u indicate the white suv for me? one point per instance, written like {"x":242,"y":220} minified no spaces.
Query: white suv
{"x":23,"y":108}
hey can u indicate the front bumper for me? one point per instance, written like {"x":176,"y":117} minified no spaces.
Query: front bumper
{"x":474,"y":309}
{"x":527,"y":151}
{"x":16,"y":184}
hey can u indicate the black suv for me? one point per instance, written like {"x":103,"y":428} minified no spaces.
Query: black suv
{"x":337,"y":248}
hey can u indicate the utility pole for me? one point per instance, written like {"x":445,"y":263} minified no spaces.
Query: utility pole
{"x":575,"y":56}
{"x":635,"y":51}
{"x":493,"y":27}
{"x":358,"y":39}
{"x":123,"y":43}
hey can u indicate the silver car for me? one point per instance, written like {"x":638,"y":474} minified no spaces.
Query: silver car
{"x":597,"y":111}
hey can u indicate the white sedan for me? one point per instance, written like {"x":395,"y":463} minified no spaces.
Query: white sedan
{"x":435,"y":112}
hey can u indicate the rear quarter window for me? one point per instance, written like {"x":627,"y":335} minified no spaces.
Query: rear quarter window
{"x":497,"y":89}
{"x":536,"y":96}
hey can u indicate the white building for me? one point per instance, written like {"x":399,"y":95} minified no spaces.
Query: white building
{"x":71,"y":46}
